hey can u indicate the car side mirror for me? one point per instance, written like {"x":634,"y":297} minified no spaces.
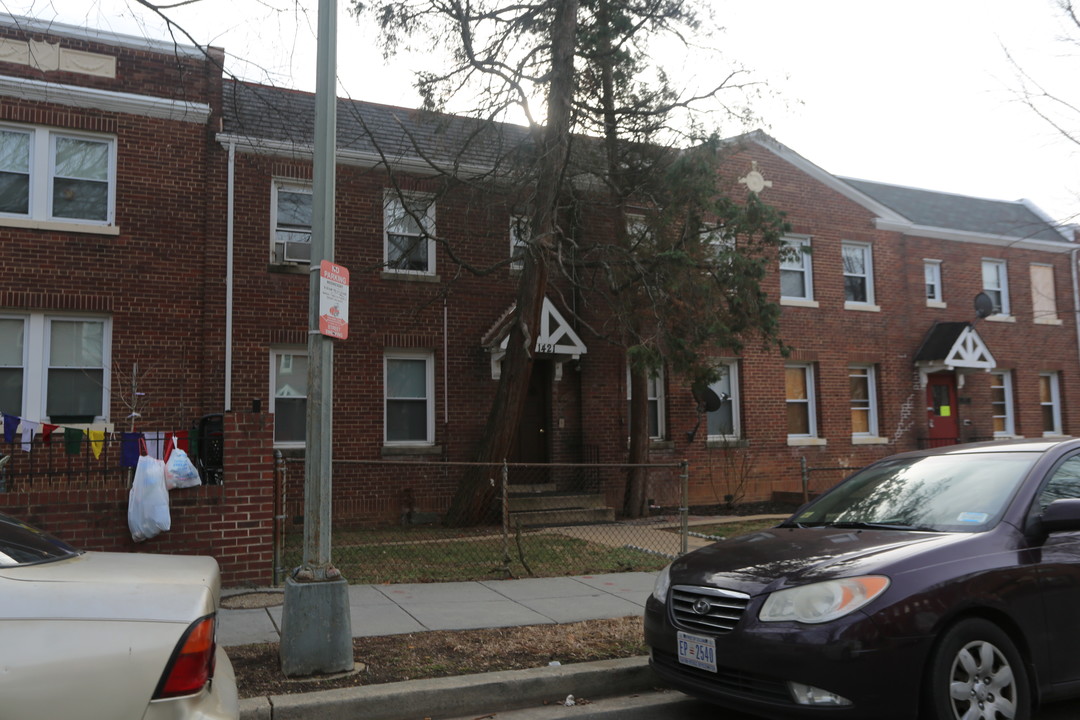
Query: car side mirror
{"x":1060,"y":516}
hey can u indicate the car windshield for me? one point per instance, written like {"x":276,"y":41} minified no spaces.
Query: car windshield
{"x":21,"y":544}
{"x":962,"y":492}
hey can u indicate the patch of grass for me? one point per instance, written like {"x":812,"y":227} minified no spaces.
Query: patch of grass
{"x":734,"y":528}
{"x":453,"y":558}
{"x":392,"y":658}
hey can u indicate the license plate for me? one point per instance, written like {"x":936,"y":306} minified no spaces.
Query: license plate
{"x":697,"y":651}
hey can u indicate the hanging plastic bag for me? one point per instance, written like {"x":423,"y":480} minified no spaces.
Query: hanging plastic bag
{"x":148,"y":500}
{"x":180,"y":472}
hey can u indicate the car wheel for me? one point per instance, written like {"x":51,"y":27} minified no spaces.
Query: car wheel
{"x":976,"y":673}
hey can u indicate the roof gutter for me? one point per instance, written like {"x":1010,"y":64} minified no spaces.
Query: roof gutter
{"x":936,"y":233}
{"x":345,"y":156}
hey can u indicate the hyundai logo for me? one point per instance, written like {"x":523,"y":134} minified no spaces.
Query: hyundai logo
{"x":702,"y":606}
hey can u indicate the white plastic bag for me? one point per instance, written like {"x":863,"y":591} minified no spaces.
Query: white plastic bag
{"x":148,"y":501}
{"x":180,"y":472}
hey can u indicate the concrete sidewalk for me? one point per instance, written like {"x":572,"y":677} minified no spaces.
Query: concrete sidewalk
{"x":407,"y":608}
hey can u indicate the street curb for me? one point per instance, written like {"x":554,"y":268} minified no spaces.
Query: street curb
{"x":460,"y":695}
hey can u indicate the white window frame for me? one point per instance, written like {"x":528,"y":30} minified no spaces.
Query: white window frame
{"x":1054,"y":403}
{"x":932,"y":283}
{"x":285,"y":352}
{"x":394,"y":211}
{"x":870,"y":405}
{"x":810,"y":401}
{"x":279,"y":251}
{"x":36,"y":364}
{"x":1044,"y":304}
{"x":429,"y":379}
{"x":655,"y":388}
{"x":804,"y":266}
{"x":518,"y":223}
{"x":1001,"y":278}
{"x":42,"y":176}
{"x":730,"y":369}
{"x":867,"y":276}
{"x":1002,"y":379}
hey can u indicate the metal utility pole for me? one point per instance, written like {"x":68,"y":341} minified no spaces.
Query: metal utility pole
{"x":316,"y":631}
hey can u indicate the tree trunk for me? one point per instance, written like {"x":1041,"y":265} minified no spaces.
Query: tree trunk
{"x":473,"y":503}
{"x":637,"y":477}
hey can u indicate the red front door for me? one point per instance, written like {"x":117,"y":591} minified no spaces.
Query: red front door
{"x":944,"y":427}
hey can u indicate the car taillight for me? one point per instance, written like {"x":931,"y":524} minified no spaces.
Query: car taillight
{"x":192,"y":662}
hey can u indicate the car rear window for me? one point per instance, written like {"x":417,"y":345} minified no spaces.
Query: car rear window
{"x":22,"y":544}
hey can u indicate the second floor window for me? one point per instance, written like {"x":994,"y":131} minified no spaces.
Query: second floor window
{"x":796,"y":276}
{"x":519,"y":239}
{"x":996,"y":285}
{"x":292,"y":208}
{"x":49,"y":174}
{"x":858,"y":273}
{"x":409,"y":223}
{"x":932,"y":277}
{"x":1043,"y":299}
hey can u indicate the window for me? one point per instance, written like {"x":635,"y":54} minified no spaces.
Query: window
{"x":410,"y":230}
{"x":55,"y":368}
{"x":410,"y":404}
{"x":289,"y":380}
{"x":996,"y":285}
{"x":12,"y":362}
{"x":858,"y":273}
{"x":932,"y":275}
{"x":1043,"y":299}
{"x":1064,"y":484}
{"x":796,"y":276}
{"x":519,"y":239}
{"x":291,"y":206}
{"x":724,"y":423}
{"x":863,"y":383}
{"x":655,"y":391}
{"x":1001,"y":403}
{"x":50,"y":175}
{"x":799,"y":396}
{"x":1050,"y":402}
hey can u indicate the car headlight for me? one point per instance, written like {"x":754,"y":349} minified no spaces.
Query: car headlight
{"x":823,"y":601}
{"x":663,"y":582}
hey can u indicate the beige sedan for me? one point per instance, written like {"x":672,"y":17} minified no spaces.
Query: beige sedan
{"x":113,"y":636}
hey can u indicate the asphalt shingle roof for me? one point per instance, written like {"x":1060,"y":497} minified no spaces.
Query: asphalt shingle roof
{"x":960,"y":212}
{"x":266,"y":113}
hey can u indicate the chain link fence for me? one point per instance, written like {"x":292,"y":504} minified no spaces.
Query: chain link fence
{"x":389,"y":520}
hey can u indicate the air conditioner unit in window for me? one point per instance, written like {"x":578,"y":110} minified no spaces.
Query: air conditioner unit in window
{"x":294,"y":252}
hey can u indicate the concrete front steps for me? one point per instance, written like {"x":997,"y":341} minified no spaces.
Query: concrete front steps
{"x":543,"y":505}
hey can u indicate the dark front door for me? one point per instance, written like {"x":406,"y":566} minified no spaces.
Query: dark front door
{"x":942,"y":421}
{"x":532,"y":435}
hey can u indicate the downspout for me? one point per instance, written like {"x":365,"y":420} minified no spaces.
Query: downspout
{"x":229,"y":279}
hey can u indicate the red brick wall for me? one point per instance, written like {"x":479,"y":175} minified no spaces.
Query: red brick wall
{"x":232,"y":522}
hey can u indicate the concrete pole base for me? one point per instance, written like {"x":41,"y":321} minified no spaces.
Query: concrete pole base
{"x":316,"y":629}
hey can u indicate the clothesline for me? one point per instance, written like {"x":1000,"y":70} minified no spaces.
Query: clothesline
{"x":159,"y":443}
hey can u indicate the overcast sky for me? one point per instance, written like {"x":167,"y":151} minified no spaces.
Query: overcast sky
{"x":918,"y":93}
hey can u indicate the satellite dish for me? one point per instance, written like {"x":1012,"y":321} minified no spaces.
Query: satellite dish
{"x":707,"y":399}
{"x":984,"y":306}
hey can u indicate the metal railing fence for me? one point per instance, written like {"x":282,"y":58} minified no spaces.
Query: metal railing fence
{"x":542,"y":520}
